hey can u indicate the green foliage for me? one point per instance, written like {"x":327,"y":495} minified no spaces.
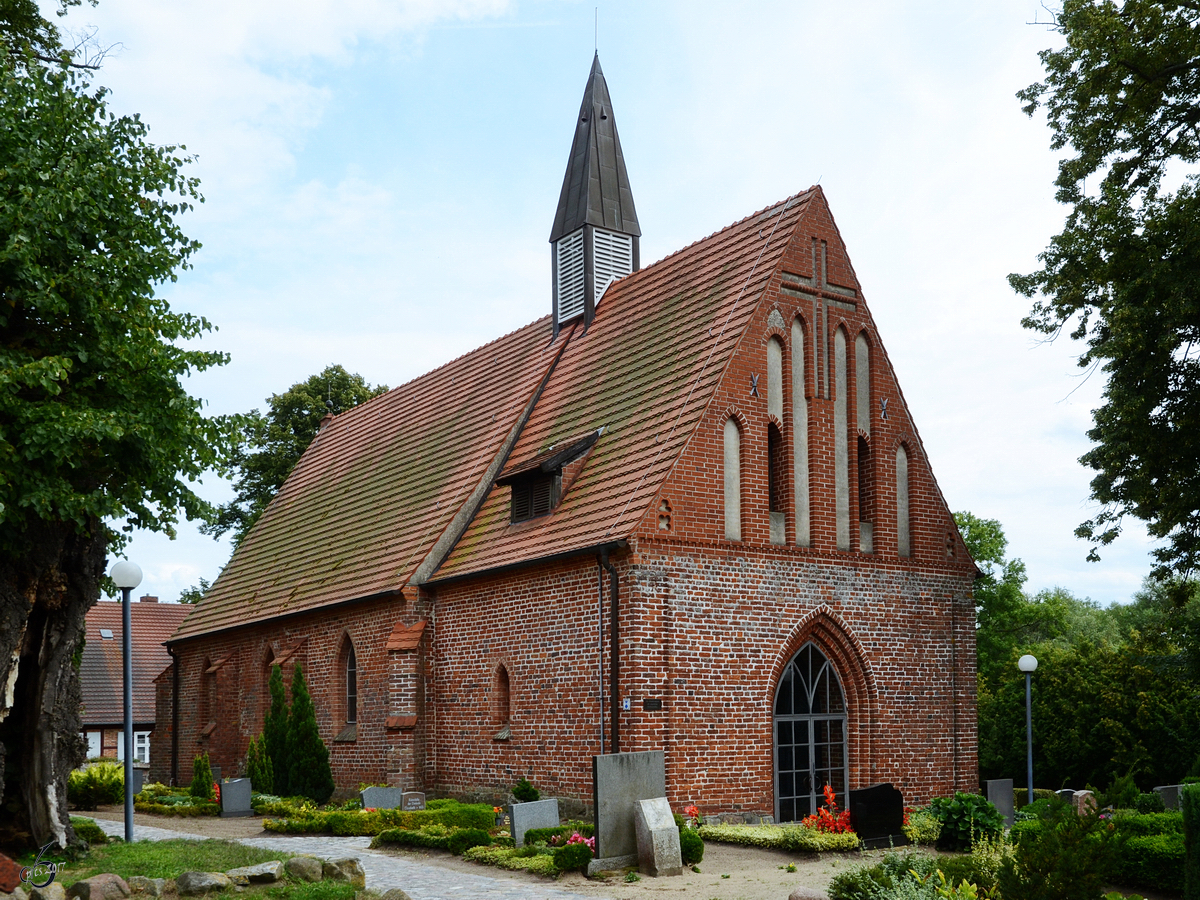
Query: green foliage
{"x":1121,"y":794}
{"x":1189,"y":805}
{"x":691,"y":846}
{"x":275,"y":730}
{"x":923,"y":827}
{"x":309,"y":774}
{"x":202,"y":778}
{"x":259,"y":768}
{"x":1121,"y":93}
{"x":1134,"y":824}
{"x":907,"y":877}
{"x":797,"y":838}
{"x":508,"y":858}
{"x":186,"y":808}
{"x":273,"y":444}
{"x":572,"y":857}
{"x":546,"y":835}
{"x":965,"y":818}
{"x":436,"y":837}
{"x":88,"y":830}
{"x":96,"y":423}
{"x":99,"y":784}
{"x":524,"y":792}
{"x":465,"y":838}
{"x":1151,"y":861}
{"x":1069,"y":857}
{"x":194,"y":595}
{"x":308,"y":820}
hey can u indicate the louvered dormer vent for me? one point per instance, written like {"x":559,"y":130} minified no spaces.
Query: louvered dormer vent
{"x":613,"y":256}
{"x":534,"y":496}
{"x":571,"y":283}
{"x":537,"y":483}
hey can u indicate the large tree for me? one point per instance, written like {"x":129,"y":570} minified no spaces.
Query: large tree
{"x":273,"y":443}
{"x":1122,"y":96}
{"x":95,"y":426}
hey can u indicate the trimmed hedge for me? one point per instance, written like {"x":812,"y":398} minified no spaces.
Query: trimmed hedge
{"x":87,"y":830}
{"x":691,"y":846}
{"x":572,"y":857}
{"x":543,"y":835}
{"x":1148,"y":824}
{"x":1151,"y":861}
{"x":514,"y":860}
{"x":182,"y":810}
{"x":361,"y":822}
{"x":781,"y":837}
{"x":434,"y":837}
{"x":464,"y":839}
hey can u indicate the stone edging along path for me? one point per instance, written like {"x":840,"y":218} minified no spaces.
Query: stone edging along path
{"x":421,"y":882}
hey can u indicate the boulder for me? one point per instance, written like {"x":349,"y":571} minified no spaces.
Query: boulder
{"x":395,"y":894}
{"x":52,"y":891}
{"x":18,"y":893}
{"x":140,"y":884}
{"x":263,"y":873}
{"x":10,"y":875}
{"x":306,"y":868}
{"x":193,"y":884}
{"x":348,"y":869}
{"x":807,"y":893}
{"x":100,"y":887}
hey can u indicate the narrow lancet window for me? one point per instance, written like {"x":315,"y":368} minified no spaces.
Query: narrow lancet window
{"x":866,"y":476}
{"x":903,"y":541}
{"x":775,"y":379}
{"x":800,"y":435}
{"x":776,"y":483}
{"x":841,"y":449}
{"x":351,"y":685}
{"x":733,"y":480}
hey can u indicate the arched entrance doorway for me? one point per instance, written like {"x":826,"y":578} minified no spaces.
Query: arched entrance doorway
{"x":810,"y":736}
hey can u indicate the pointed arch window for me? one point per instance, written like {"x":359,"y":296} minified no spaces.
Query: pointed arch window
{"x":800,"y":435}
{"x":502,"y":703}
{"x":841,"y":445}
{"x":810,"y":724}
{"x":733,"y":480}
{"x":866,"y":463}
{"x":776,"y":451}
{"x":351,"y":684}
{"x":903,"y":537}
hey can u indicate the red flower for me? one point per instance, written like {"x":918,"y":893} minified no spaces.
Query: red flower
{"x":827,"y":818}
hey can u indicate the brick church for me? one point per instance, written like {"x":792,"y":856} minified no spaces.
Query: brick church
{"x":688,"y":510}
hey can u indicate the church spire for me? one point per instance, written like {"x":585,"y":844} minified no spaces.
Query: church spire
{"x":596,"y":231}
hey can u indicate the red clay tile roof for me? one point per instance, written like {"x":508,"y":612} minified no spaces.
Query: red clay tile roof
{"x":101,"y":669}
{"x":406,"y":637}
{"x":644,"y":371}
{"x":378,"y":486}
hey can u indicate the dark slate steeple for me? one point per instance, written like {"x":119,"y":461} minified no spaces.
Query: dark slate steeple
{"x":596,"y":231}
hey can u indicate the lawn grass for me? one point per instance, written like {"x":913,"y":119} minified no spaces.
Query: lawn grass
{"x":166,"y":859}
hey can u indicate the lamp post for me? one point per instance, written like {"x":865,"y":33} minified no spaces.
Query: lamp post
{"x":1028,"y":665}
{"x":127,"y":576}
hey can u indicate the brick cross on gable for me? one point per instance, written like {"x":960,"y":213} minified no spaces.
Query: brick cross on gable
{"x":820,"y":301}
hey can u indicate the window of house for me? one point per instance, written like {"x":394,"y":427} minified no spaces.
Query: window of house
{"x":534,"y":495}
{"x":776,"y":483}
{"x":351,"y":685}
{"x":799,"y":435}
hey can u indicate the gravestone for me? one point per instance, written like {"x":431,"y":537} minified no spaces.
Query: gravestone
{"x":1067,"y":794}
{"x":535,"y":814}
{"x":138,"y":780}
{"x":413,"y":800}
{"x":1084,"y":802}
{"x":1169,"y":794}
{"x":877,"y":813}
{"x":619,"y":781}
{"x":235,"y":798}
{"x":376,"y":797}
{"x":1000,"y":794}
{"x":657,"y":838}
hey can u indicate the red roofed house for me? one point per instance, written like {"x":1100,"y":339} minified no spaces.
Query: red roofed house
{"x":687,"y":511}
{"x":101,"y":673}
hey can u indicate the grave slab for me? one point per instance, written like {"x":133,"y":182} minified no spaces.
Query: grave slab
{"x":1169,"y":794}
{"x":657,"y":838}
{"x":619,"y":780}
{"x":1000,"y":794}
{"x":535,"y":814}
{"x":376,"y":797}
{"x":235,"y":798}
{"x":877,"y":813}
{"x":413,"y":800}
{"x":1067,"y":794}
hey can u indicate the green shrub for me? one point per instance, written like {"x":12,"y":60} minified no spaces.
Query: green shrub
{"x":1068,"y":857}
{"x":435,"y":837}
{"x":505,"y":858}
{"x":965,"y":817}
{"x":363,"y":822}
{"x":309,"y":774}
{"x":259,"y":768}
{"x":189,"y":808}
{"x":99,"y":784}
{"x":1189,"y":805}
{"x":524,"y":792}
{"x":87,"y":830}
{"x":1151,"y":861}
{"x":1150,"y":803}
{"x":798,"y":838}
{"x":1121,"y":794}
{"x":691,"y":846}
{"x":466,"y":838}
{"x":202,"y":778}
{"x":545,"y":835}
{"x":923,"y":827}
{"x":572,"y":857}
{"x":1134,"y":824}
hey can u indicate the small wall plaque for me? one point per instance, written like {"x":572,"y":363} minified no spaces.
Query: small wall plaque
{"x":652,"y":705}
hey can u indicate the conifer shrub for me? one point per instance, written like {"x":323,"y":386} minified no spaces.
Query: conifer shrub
{"x":202,"y":778}
{"x":1150,"y":803}
{"x":1070,"y":857}
{"x":524,"y":792}
{"x":259,"y":768}
{"x":691,"y":846}
{"x":275,"y":730}
{"x":309,"y":774}
{"x":462,"y":841}
{"x":572,"y":857}
{"x":1189,"y":805}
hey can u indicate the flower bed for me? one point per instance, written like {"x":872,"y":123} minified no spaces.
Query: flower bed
{"x":537,"y":860}
{"x":167,"y":801}
{"x":375,"y":821}
{"x":781,"y":837}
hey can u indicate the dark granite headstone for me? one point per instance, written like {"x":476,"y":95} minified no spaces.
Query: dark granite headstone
{"x":1067,"y":794}
{"x":1000,"y":795}
{"x":877,"y":813}
{"x":235,"y":798}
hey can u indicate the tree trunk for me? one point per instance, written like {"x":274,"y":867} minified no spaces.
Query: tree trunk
{"x":45,"y":594}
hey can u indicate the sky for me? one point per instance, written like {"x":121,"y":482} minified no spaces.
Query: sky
{"x":380,"y":179}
